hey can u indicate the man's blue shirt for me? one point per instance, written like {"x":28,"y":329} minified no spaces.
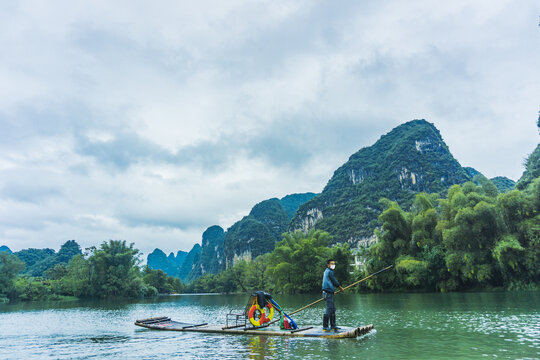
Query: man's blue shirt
{"x":329,"y":282}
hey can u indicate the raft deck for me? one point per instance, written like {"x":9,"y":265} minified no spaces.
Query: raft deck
{"x":165,"y":323}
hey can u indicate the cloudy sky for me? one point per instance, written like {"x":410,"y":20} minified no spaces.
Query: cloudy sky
{"x":150,"y":121}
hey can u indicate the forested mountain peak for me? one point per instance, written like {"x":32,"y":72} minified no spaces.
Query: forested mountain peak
{"x":5,"y":248}
{"x":411,"y":158}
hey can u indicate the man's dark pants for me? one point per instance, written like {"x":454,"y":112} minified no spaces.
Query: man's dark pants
{"x":330,"y":313}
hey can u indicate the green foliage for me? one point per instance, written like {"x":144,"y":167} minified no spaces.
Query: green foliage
{"x":297,"y":262}
{"x":412,"y":271}
{"x":10,"y":266}
{"x":161,"y":282}
{"x":31,"y":289}
{"x":532,"y":169}
{"x":508,"y":253}
{"x":248,"y":236}
{"x":112,"y":269}
{"x":38,"y":261}
{"x":503,"y":184}
{"x":273,"y":215}
{"x":475,"y":237}
{"x":295,"y":265}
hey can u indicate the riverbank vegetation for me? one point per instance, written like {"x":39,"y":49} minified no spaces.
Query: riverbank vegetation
{"x":475,"y":238}
{"x":112,"y":270}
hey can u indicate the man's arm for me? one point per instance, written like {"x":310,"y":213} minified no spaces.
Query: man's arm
{"x":335,"y":282}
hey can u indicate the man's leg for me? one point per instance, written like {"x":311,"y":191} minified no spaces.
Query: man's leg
{"x":326,"y":316}
{"x":332,"y":311}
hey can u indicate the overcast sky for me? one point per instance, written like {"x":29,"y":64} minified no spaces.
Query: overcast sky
{"x":150,"y":121}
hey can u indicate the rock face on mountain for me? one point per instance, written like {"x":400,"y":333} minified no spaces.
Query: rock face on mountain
{"x":411,"y":158}
{"x":211,"y":260}
{"x":532,"y":169}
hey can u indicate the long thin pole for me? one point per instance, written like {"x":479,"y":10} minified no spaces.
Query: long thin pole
{"x":345,"y":288}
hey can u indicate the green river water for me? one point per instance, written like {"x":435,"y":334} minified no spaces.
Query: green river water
{"x":407,"y":326}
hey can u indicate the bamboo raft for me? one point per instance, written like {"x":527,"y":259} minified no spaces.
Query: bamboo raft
{"x":165,"y":323}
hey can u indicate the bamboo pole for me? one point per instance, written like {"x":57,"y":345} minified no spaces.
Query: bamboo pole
{"x":337,"y":292}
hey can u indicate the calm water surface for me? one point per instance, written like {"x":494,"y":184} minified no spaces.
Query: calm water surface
{"x":412,"y":326}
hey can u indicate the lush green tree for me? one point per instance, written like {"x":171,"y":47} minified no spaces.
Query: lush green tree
{"x":393,"y":241}
{"x":32,"y":289}
{"x":256,"y":273}
{"x":57,"y":272}
{"x":76,"y":281}
{"x":297,"y":263}
{"x":10,"y":266}
{"x":113,"y":270}
{"x":163,"y":283}
{"x":472,"y":224}
{"x":157,"y":279}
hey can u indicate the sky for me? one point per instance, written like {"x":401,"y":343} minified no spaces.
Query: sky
{"x":151,"y":121}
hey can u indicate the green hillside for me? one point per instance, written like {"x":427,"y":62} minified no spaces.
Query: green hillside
{"x":410,"y":159}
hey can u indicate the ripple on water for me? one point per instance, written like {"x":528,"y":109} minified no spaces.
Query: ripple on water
{"x":407,"y":326}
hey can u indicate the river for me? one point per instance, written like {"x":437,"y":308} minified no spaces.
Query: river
{"x":407,"y":326}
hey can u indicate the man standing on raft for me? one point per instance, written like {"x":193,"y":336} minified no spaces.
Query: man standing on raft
{"x":329,"y":284}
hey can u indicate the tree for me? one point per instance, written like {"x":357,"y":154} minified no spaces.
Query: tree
{"x":113,"y":270}
{"x":393,"y":241}
{"x":471,"y":225}
{"x":10,"y":266}
{"x":298,"y":260}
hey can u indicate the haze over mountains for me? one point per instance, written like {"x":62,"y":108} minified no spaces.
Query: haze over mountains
{"x":411,"y":158}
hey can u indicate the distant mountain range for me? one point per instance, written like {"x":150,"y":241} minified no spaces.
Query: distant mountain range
{"x":249,"y":237}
